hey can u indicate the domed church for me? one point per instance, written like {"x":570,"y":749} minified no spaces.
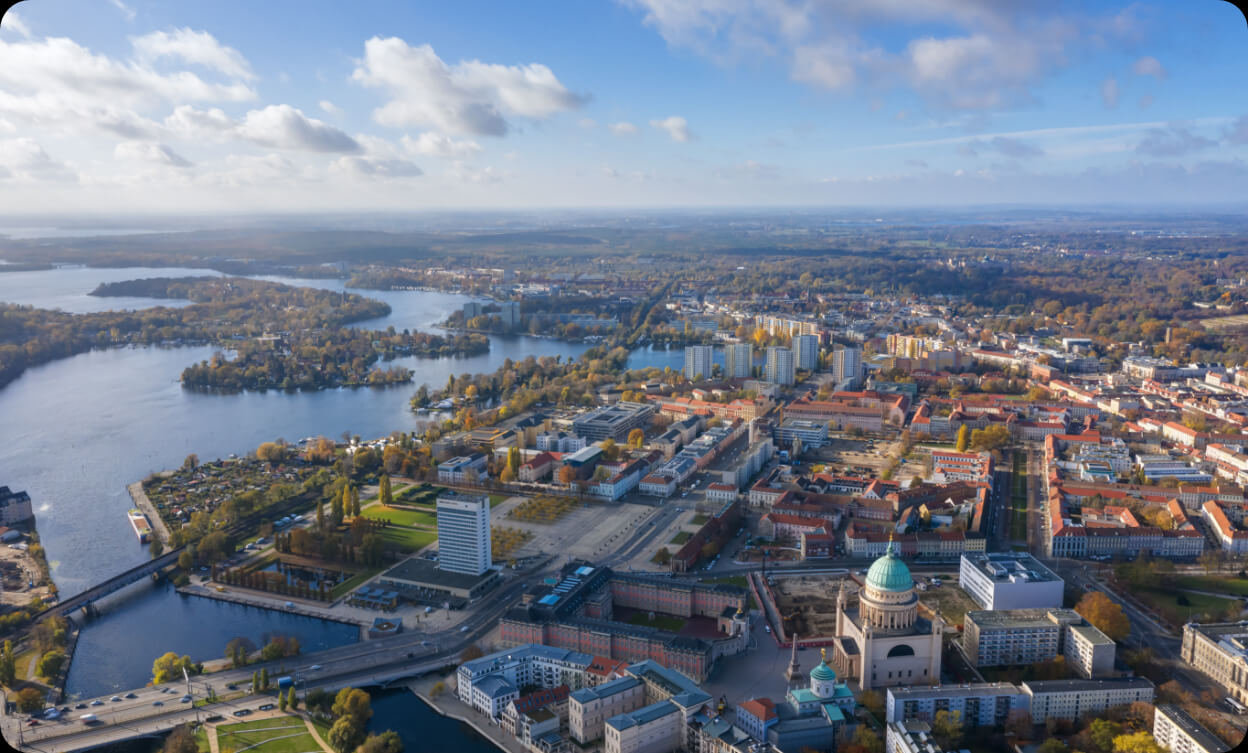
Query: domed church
{"x":881,"y":640}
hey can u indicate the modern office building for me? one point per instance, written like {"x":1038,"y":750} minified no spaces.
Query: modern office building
{"x":778,"y":367}
{"x":464,"y":533}
{"x":698,"y":362}
{"x":1220,"y":650}
{"x":613,"y":421}
{"x":806,"y":351}
{"x":1009,"y":580}
{"x":847,"y":367}
{"x":739,"y":361}
{"x":813,"y":434}
{"x":979,"y":704}
{"x":1072,"y":699}
{"x":1176,"y":731}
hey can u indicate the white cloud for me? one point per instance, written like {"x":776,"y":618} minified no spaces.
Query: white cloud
{"x":469,"y":97}
{"x":1109,"y":92}
{"x":623,"y":129}
{"x":1148,"y":66}
{"x":329,"y":108}
{"x":466,"y":174}
{"x":675,"y":126}
{"x":14,"y":23}
{"x":1173,"y":141}
{"x":25,"y":159}
{"x":195,"y":47}
{"x":374,"y":168}
{"x":439,"y":145}
{"x":125,"y":9}
{"x":191,"y":124}
{"x":146,"y":151}
{"x":587,"y":123}
{"x":1237,"y":132}
{"x":286,"y":127}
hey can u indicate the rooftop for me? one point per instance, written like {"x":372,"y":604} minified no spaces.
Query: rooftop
{"x":1010,"y":567}
{"x":426,"y":572}
{"x":1066,"y":686}
{"x":1022,"y":618}
{"x":1190,"y":727}
{"x":643,"y":715}
{"x":911,"y":692}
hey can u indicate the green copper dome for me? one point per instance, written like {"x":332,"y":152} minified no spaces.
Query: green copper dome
{"x":823,"y":673}
{"x":889,"y":573}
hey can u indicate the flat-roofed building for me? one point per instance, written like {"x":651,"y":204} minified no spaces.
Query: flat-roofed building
{"x":982,"y":704}
{"x":778,"y":366}
{"x":590,"y":708}
{"x":1014,"y":580}
{"x":1072,"y":699}
{"x":912,"y":737}
{"x":1089,"y":651}
{"x":1028,"y":636}
{"x":491,"y":682}
{"x":806,"y":352}
{"x":1176,"y":731}
{"x":613,"y":421}
{"x":1220,"y":650}
{"x":739,"y":361}
{"x":464,"y":533}
{"x":657,"y":728}
{"x":698,"y":362}
{"x":813,"y":434}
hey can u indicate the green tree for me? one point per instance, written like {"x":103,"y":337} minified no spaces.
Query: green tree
{"x":964,"y":438}
{"x":50,"y":663}
{"x":8,"y":665}
{"x":281,"y":701}
{"x":186,"y":560}
{"x":320,"y":516}
{"x":238,"y":650}
{"x":353,"y":703}
{"x":873,"y":702}
{"x":1102,"y":733}
{"x":29,"y":699}
{"x":169,"y":666}
{"x":1052,"y":745}
{"x":345,"y":735}
{"x":355,"y":501}
{"x":191,"y":462}
{"x":386,"y":742}
{"x":384,"y":494}
{"x":947,"y":728}
{"x":180,"y":740}
{"x":292,"y":701}
{"x":867,"y":740}
{"x":255,"y":681}
{"x":264,"y":678}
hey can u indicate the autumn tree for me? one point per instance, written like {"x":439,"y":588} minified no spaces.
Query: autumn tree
{"x":1137,"y":742}
{"x":50,"y":663}
{"x":1102,"y":733}
{"x":169,"y":667}
{"x":1018,"y":723}
{"x":636,"y":438}
{"x":663,"y":556}
{"x":1052,"y":745}
{"x":354,"y":704}
{"x":345,"y":735}
{"x":471,"y":652}
{"x":384,"y":494}
{"x":873,"y":702}
{"x":8,"y":665}
{"x":865,"y":740}
{"x":1105,"y":614}
{"x":29,"y":699}
{"x":507,"y":476}
{"x":567,"y":474}
{"x":964,"y":438}
{"x":947,"y":728}
{"x":180,"y":740}
{"x":990,"y":438}
{"x":387,"y":742}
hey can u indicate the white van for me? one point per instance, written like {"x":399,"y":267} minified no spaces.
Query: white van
{"x":88,"y":718}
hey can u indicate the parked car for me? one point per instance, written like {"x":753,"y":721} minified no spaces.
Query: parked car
{"x":115,"y":699}
{"x":158,"y":703}
{"x":185,"y":699}
{"x":97,"y":702}
{"x":265,"y":707}
{"x":131,"y":695}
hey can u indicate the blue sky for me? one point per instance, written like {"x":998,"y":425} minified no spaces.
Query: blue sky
{"x":277,"y":106}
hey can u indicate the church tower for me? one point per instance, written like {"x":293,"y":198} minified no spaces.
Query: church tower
{"x":794,"y":673}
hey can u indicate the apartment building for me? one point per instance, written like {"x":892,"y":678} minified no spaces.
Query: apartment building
{"x":464,"y":533}
{"x":698,"y":361}
{"x":1072,"y":699}
{"x":590,"y":708}
{"x":739,"y":361}
{"x":657,"y":728}
{"x":980,"y":704}
{"x":1028,"y":636}
{"x":490,"y":683}
{"x":806,"y":351}
{"x":779,"y":366}
{"x":912,"y":737}
{"x":1176,"y":731}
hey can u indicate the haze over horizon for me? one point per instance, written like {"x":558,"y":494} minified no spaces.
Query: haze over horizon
{"x":144,"y":107}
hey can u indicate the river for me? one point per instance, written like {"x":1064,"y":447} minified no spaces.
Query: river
{"x":78,"y":430}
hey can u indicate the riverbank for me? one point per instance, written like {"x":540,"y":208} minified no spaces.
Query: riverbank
{"x":302,"y":607}
{"x":449,"y":706}
{"x":147,"y":508}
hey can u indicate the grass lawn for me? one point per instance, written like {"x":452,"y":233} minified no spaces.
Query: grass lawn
{"x":409,"y":539}
{"x":201,"y":740}
{"x":681,"y":538}
{"x":408,"y":518}
{"x":952,"y":602}
{"x":1232,"y":585}
{"x":700,"y":518}
{"x":1165,"y":602}
{"x":660,"y":621}
{"x":21,"y":661}
{"x":1018,"y":499}
{"x":280,"y":735}
{"x":496,"y":500}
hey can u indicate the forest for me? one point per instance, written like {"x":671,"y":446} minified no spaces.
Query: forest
{"x":231,"y":312}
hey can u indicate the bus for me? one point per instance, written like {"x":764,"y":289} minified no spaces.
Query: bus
{"x":1235,"y":705}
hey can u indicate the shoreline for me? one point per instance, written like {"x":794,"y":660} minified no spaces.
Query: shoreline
{"x":487,"y":732}
{"x":139,"y":497}
{"x":232,"y":598}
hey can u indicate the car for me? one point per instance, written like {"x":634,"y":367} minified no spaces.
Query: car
{"x":411,"y":654}
{"x":242,"y":712}
{"x":463,"y":629}
{"x":767,"y":628}
{"x":158,"y":703}
{"x":213,"y":718}
{"x":80,"y":706}
{"x":315,"y":667}
{"x":32,"y":722}
{"x":290,"y":605}
{"x":425,"y":643}
{"x":131,"y":695}
{"x":97,"y":702}
{"x":265,"y":707}
{"x":230,"y":686}
{"x":185,"y":699}
{"x":115,"y":699}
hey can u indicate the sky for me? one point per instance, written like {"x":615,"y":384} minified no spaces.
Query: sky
{"x":281,"y":106}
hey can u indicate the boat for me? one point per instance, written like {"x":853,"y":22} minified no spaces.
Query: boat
{"x":138,"y":521}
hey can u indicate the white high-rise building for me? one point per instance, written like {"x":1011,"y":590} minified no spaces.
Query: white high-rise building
{"x":739,"y":361}
{"x":779,"y":366}
{"x":847,"y":365}
{"x":698,"y":361}
{"x":806,"y":351}
{"x":464,"y":533}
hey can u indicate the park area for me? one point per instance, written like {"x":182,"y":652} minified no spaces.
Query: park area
{"x":283,"y":734}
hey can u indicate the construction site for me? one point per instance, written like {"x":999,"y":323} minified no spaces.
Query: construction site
{"x":807,"y":603}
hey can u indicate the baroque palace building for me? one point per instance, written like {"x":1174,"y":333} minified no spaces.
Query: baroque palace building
{"x":882,"y":640}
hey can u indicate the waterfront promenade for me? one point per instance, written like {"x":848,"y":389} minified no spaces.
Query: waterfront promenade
{"x":147,"y":508}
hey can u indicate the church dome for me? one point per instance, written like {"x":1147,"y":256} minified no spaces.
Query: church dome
{"x":823,"y":673}
{"x":889,"y":573}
